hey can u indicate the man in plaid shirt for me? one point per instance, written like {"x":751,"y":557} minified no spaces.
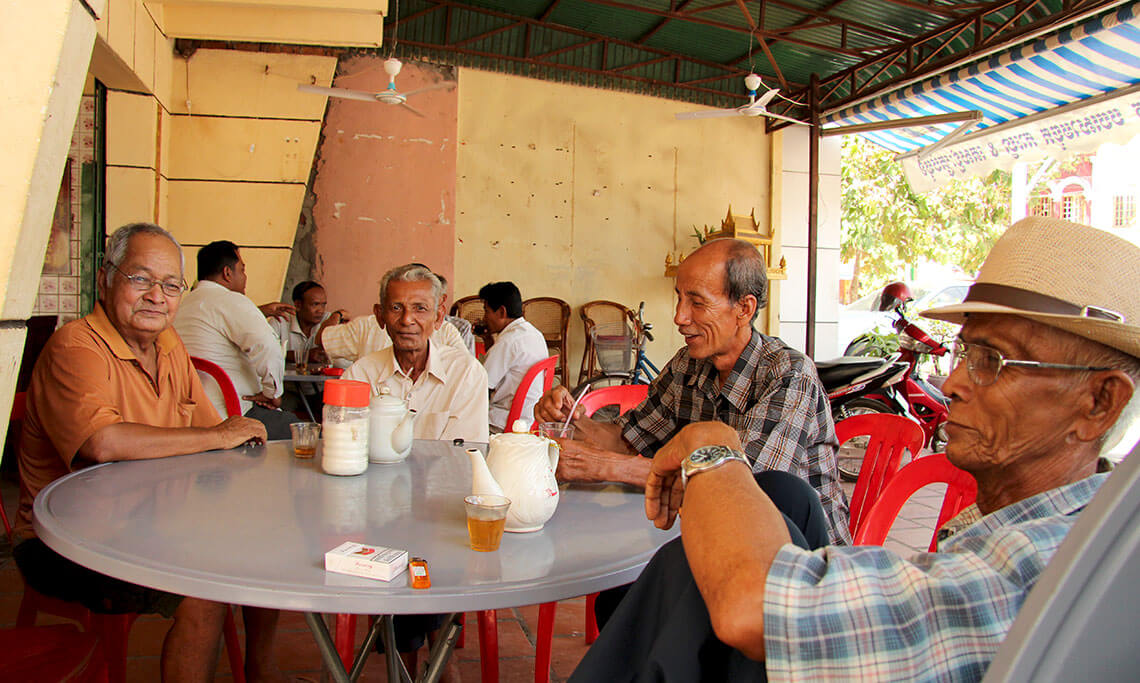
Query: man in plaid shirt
{"x":1045,"y":369}
{"x":767,"y":392}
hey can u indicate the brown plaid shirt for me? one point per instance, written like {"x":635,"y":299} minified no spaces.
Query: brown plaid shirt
{"x":773,"y":398}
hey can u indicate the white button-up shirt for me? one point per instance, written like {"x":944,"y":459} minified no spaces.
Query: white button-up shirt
{"x":363,"y":335}
{"x":519,"y":346}
{"x":290,"y":331}
{"x":227,"y":328}
{"x":449,"y":397}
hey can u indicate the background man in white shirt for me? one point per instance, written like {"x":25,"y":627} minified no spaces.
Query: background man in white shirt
{"x":299,"y":336}
{"x":218,"y":322}
{"x":444,"y":384}
{"x":519,"y":346}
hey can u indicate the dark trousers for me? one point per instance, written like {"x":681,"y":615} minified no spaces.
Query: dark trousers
{"x":276,"y":422}
{"x":660,"y":630}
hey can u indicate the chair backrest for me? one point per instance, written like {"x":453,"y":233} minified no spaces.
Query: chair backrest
{"x":594,"y":313}
{"x":551,"y":317}
{"x":470,"y":308}
{"x":889,"y":435}
{"x":961,"y":489}
{"x":545,"y":366}
{"x":624,"y":396}
{"x":229,"y":393}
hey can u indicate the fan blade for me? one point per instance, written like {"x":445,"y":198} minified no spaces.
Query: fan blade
{"x":767,"y":97}
{"x":343,"y":93}
{"x":711,"y":114}
{"x":449,"y":85}
{"x":412,"y":109}
{"x":785,"y":118}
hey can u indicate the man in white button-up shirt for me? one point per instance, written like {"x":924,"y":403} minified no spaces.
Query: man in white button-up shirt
{"x":519,"y":346}
{"x":445,"y":385}
{"x":218,"y":322}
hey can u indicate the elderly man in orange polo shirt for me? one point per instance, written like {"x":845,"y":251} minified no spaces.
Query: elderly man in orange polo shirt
{"x":119,"y":385}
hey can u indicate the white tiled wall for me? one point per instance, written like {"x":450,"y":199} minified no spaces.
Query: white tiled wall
{"x":793,"y":225}
{"x":59,"y":292}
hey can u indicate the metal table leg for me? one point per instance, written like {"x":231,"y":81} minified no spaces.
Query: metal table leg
{"x":325,"y":645}
{"x":384,"y":627}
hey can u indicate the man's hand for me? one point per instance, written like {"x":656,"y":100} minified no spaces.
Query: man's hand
{"x":277,"y":309}
{"x":237,"y":430}
{"x":579,"y":461}
{"x":554,"y":406}
{"x":663,"y":488}
{"x":335,"y":318}
{"x":265,"y":401}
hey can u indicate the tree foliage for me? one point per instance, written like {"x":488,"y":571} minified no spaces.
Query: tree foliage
{"x":887,"y":226}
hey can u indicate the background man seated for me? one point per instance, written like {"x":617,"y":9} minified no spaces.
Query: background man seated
{"x":345,"y":344}
{"x":727,"y":371}
{"x":118,"y":385}
{"x":1045,"y":371}
{"x":218,"y":322}
{"x":300,"y":333}
{"x":444,"y":384}
{"x":520,"y":345}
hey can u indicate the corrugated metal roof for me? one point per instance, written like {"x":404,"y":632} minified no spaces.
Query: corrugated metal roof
{"x":699,"y":50}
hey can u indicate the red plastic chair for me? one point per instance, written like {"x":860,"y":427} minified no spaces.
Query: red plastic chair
{"x":547,"y":367}
{"x":625,"y":396}
{"x":961,"y":490}
{"x":16,"y":421}
{"x":229,"y":393}
{"x":50,"y":653}
{"x":889,"y":436}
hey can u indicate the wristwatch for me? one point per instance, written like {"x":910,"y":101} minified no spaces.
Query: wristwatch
{"x":708,"y":458}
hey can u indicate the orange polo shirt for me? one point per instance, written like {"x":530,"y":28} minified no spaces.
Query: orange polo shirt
{"x":87,"y":378}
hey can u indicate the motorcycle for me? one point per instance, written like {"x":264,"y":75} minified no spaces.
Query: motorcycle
{"x":848,"y":382}
{"x":922,"y":401}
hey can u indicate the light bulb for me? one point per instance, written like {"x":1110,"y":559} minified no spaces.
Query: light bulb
{"x":752,"y":82}
{"x":392,"y":66}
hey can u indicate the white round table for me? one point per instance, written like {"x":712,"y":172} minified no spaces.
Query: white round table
{"x":251,"y":526}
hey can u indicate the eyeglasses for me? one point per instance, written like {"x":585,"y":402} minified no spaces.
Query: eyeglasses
{"x":984,"y":363}
{"x":141,"y":283}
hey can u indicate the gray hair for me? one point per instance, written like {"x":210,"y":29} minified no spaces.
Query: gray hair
{"x":746,"y":273}
{"x":119,"y":240}
{"x":412,"y":272}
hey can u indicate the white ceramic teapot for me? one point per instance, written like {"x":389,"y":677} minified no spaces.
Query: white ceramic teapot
{"x":390,"y":428}
{"x":523,"y":465}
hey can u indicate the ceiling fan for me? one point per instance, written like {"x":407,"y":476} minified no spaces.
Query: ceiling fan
{"x":757,"y":106}
{"x":389,"y":95}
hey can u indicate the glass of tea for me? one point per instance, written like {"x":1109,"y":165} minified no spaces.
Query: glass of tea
{"x":305,"y":437}
{"x":486,"y":517}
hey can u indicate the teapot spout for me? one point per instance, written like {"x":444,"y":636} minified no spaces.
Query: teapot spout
{"x":482,"y":483}
{"x":402,"y":435}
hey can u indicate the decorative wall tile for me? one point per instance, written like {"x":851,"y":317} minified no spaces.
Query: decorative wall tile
{"x":68,"y":285}
{"x":69,"y":303}
{"x":49,"y":284}
{"x":47,"y":303}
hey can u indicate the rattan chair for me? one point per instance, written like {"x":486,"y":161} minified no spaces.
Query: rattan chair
{"x":552,"y":318}
{"x":470,"y":308}
{"x":596,"y":313}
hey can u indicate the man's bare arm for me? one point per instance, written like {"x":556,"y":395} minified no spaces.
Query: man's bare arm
{"x":131,"y":441}
{"x":554,"y":406}
{"x":583,"y":462}
{"x":731,"y":532}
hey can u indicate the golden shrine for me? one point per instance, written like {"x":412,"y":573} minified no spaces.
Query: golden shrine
{"x":739,"y":227}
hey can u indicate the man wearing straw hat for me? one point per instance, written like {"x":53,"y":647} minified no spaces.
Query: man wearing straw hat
{"x":1045,"y":368}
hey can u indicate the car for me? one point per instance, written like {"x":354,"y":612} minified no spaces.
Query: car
{"x":863,"y":314}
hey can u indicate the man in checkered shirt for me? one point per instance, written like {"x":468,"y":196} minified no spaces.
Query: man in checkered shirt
{"x":727,"y":371}
{"x":1045,"y":369}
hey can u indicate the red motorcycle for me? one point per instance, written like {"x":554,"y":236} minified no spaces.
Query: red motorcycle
{"x":924,"y":402}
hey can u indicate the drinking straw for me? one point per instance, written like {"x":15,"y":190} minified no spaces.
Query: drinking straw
{"x":585,"y":390}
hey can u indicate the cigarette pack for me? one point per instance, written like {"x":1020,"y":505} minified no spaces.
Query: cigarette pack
{"x":369,"y":561}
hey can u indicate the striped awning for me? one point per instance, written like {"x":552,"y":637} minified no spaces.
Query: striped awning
{"x":1084,"y":61}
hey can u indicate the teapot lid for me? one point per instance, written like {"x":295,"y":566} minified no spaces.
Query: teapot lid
{"x":385,"y":399}
{"x":519,"y":434}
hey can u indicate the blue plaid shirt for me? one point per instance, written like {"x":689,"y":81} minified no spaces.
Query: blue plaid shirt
{"x":864,"y":613}
{"x":772,"y":398}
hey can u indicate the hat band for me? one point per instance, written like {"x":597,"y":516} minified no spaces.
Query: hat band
{"x":1035,"y":302}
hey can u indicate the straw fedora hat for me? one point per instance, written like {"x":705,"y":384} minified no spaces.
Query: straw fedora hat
{"x":1070,"y":276}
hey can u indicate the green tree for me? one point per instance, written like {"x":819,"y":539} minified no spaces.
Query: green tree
{"x":887,"y":226}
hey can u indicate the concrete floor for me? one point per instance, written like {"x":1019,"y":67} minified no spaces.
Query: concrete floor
{"x":298,"y":654}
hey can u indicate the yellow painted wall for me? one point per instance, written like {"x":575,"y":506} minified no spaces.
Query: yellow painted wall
{"x":309,"y":22}
{"x":579,"y":193}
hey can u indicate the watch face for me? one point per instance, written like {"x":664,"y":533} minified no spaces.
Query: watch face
{"x":708,"y":454}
